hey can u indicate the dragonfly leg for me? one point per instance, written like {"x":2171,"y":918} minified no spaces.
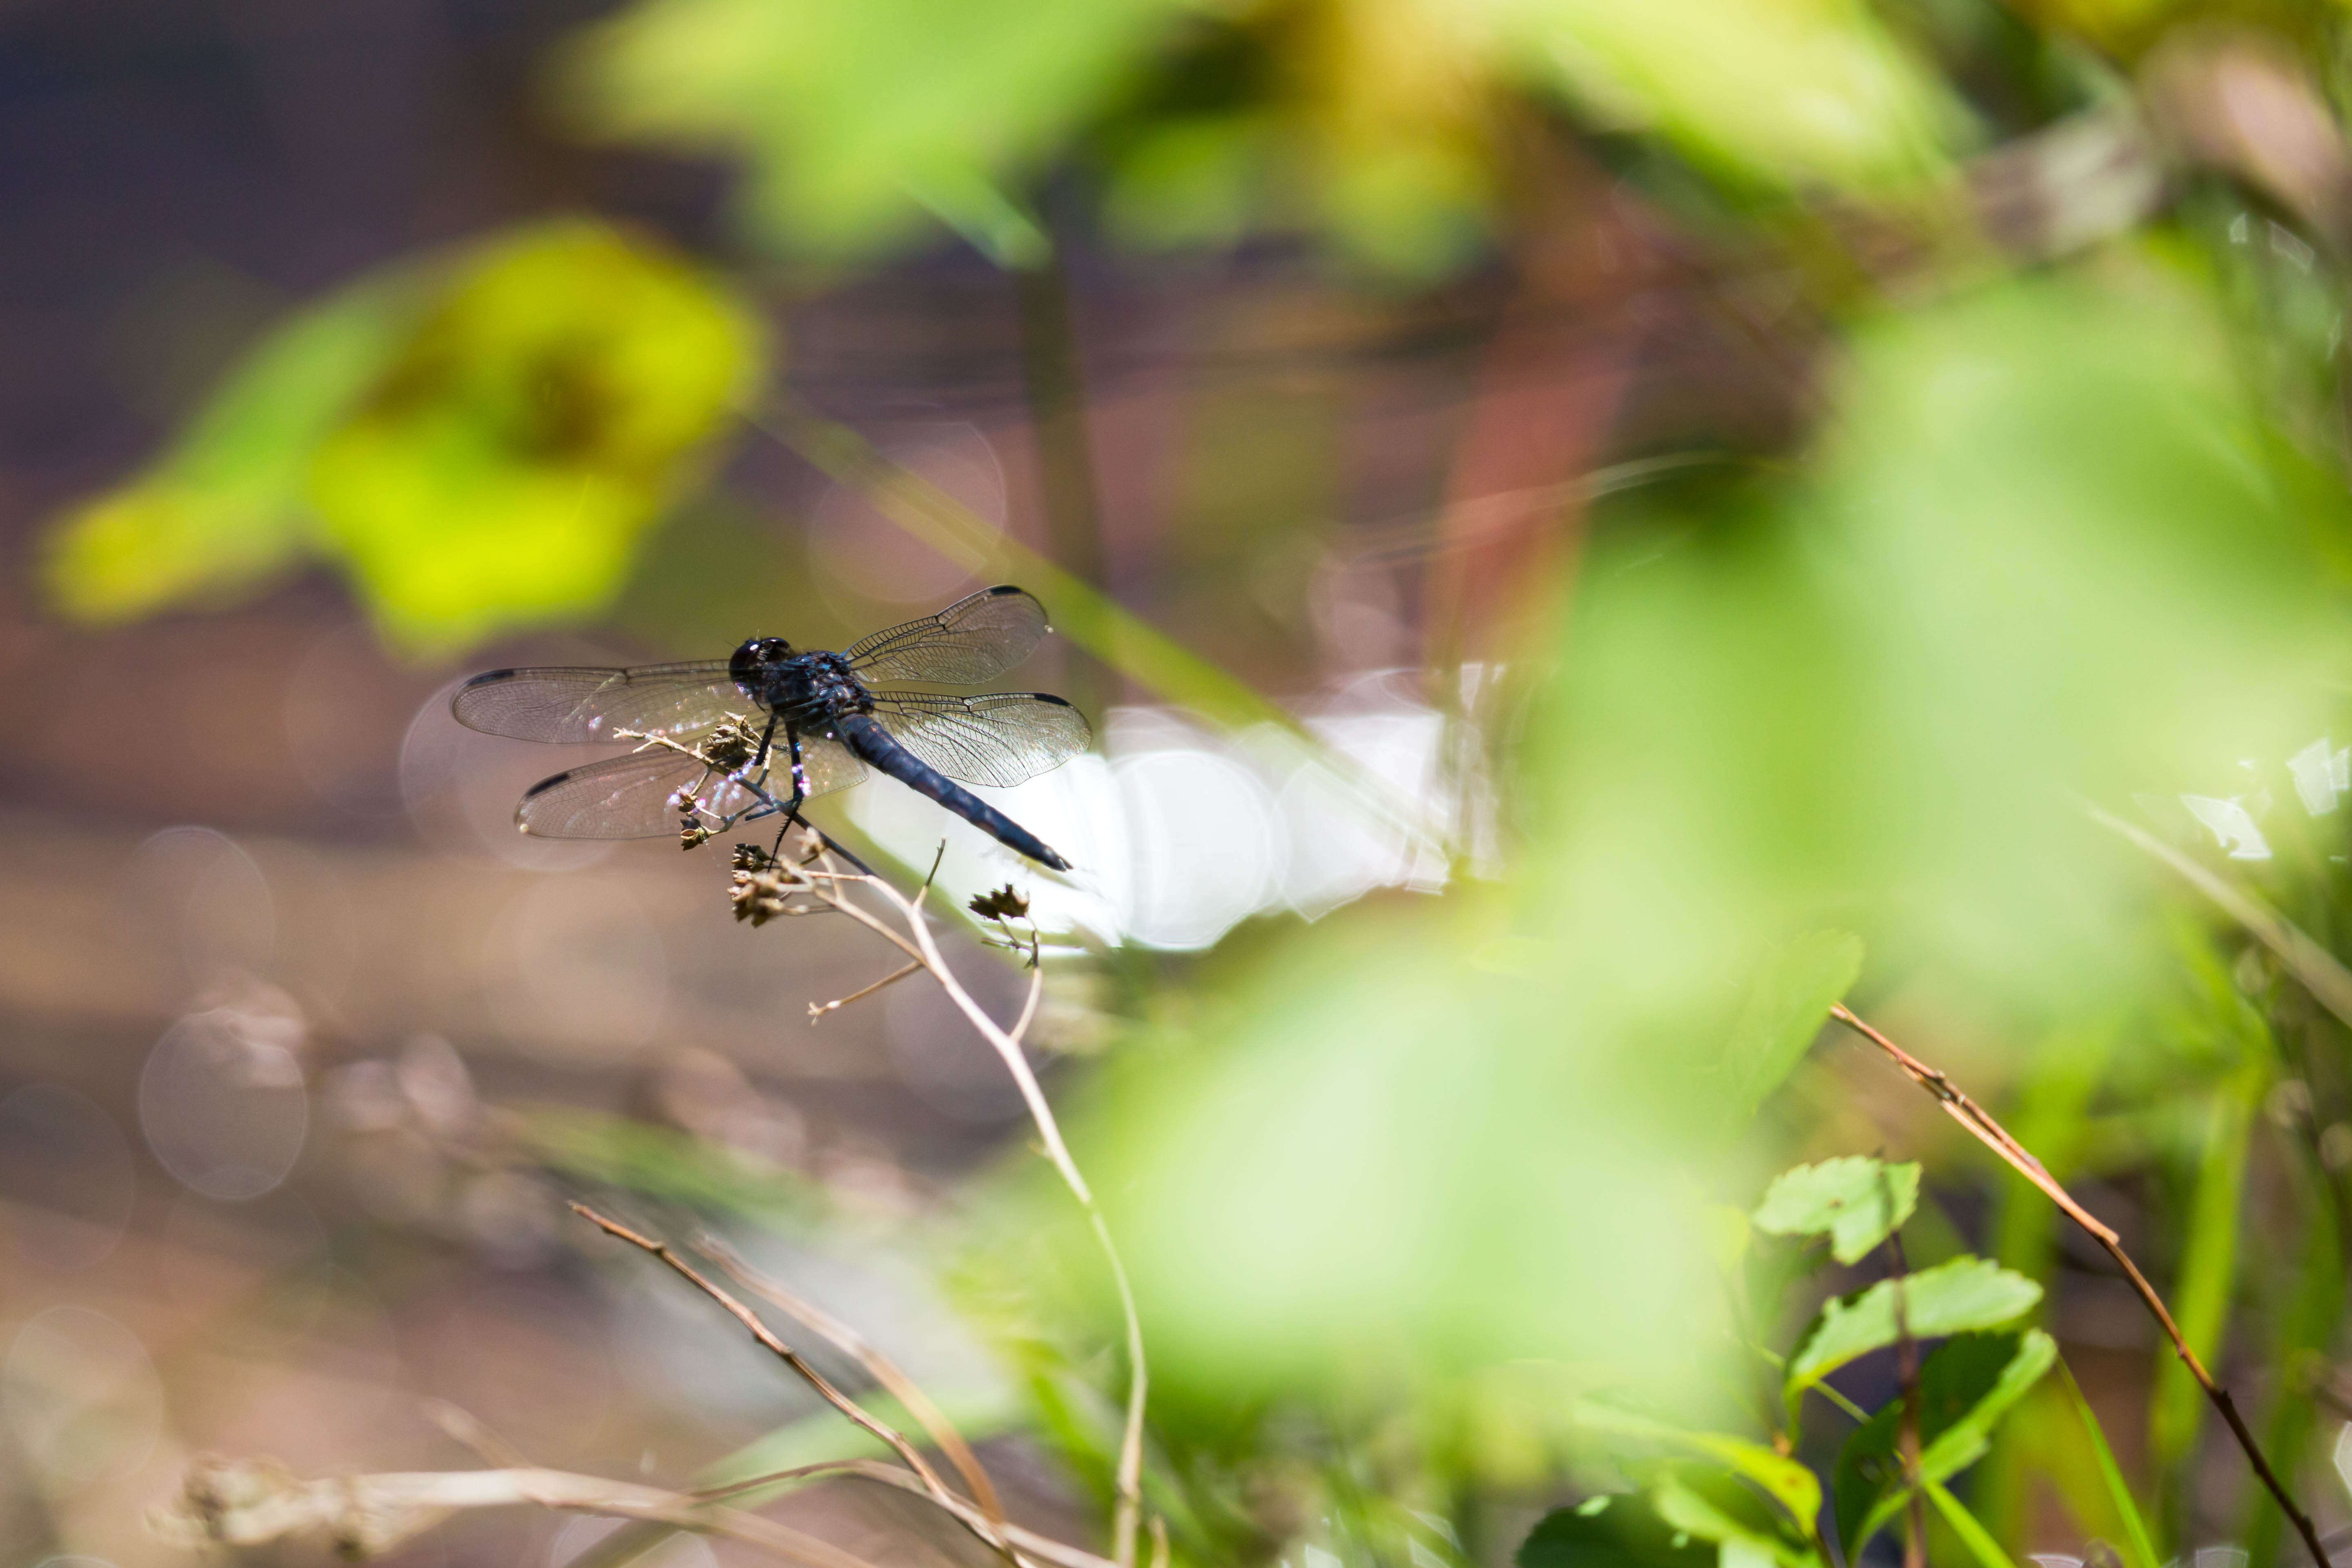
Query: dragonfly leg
{"x":791,"y":808}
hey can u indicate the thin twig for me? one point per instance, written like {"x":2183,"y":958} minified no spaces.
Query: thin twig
{"x":1127,"y":1517}
{"x":883,"y":1370}
{"x":819,"y":1009}
{"x":1044,"y":1547}
{"x":792,"y":1358}
{"x":828,"y":886}
{"x":1989,"y":1132}
{"x":251,"y":1504}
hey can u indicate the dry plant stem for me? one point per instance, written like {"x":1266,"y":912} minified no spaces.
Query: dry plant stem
{"x":792,"y":1357}
{"x":1127,"y":1518}
{"x":1994,"y":1136}
{"x":1044,"y":1547}
{"x":373,"y":1513}
{"x":881,"y":1368}
{"x":817,"y":1010}
{"x":1906,"y":1363}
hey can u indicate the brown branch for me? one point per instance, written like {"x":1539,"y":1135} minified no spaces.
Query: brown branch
{"x":766,"y":1336}
{"x":883,"y":1370}
{"x":1994,"y":1136}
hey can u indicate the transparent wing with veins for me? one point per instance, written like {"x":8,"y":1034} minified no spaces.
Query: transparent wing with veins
{"x":1001,"y":738}
{"x":646,"y":794}
{"x":571,"y":704}
{"x":976,"y":638}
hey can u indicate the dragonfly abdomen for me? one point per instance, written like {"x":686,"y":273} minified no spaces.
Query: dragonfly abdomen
{"x":876,"y":746}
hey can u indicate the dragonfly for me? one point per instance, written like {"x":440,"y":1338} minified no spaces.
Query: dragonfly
{"x":719,"y":737}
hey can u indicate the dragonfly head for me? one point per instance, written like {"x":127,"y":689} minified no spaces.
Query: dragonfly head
{"x":754,"y":664}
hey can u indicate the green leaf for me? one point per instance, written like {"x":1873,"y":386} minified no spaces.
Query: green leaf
{"x":1623,"y":1532}
{"x":2137,"y":1535}
{"x":1788,"y":1003}
{"x":1964,"y":1387}
{"x":1785,"y":1480}
{"x":223,"y":511}
{"x":1793,"y":94}
{"x":1720,"y":1511}
{"x":502,"y":469}
{"x":1955,"y":1297}
{"x":859,"y":121}
{"x":1857,"y":1201}
{"x":1972,"y":1534}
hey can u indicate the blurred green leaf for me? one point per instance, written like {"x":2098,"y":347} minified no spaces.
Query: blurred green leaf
{"x":1955,"y":1297}
{"x":1731,"y":1517}
{"x":855,"y":120}
{"x":223,"y":510}
{"x":500,"y":472}
{"x":2138,"y":1536}
{"x":1964,"y":1387}
{"x":1621,"y":1532}
{"x":1792,"y":95}
{"x":1783,"y":1479}
{"x":1857,"y":1201}
{"x":1788,"y":1003}
{"x":478,"y":439}
{"x":1966,"y":1525}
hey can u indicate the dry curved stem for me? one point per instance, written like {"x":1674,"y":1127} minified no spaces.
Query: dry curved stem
{"x":883,"y":1371}
{"x":1994,"y":1136}
{"x":1044,"y":1547}
{"x":830,"y":885}
{"x":928,"y":1478}
{"x":819,"y":878}
{"x":251,"y":1502}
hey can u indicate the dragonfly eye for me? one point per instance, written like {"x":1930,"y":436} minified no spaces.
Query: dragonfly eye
{"x":758,"y":654}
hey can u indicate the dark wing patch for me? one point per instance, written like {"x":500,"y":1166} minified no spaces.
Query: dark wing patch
{"x":576,"y":704}
{"x":974,"y":639}
{"x":1000,"y":737}
{"x":645,"y":794}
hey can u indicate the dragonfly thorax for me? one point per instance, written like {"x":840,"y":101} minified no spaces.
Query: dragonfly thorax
{"x":804,"y":689}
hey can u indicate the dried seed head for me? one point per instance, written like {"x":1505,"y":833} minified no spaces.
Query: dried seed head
{"x":732,"y":742}
{"x":1001,"y":904}
{"x":759,"y":896}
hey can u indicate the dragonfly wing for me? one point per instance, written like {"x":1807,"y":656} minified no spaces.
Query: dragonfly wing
{"x":571,"y":704}
{"x":645,"y":794}
{"x":974,"y":639}
{"x":827,"y":765}
{"x":996,"y":738}
{"x":634,"y":796}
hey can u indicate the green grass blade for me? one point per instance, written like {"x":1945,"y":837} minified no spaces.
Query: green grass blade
{"x":2209,"y":1267}
{"x":1972,"y":1534}
{"x":2143,"y":1545}
{"x":1081,"y":612}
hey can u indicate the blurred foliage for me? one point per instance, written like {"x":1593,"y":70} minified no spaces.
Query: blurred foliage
{"x":1440,"y":1208}
{"x":1384,"y":126}
{"x":476,"y":440}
